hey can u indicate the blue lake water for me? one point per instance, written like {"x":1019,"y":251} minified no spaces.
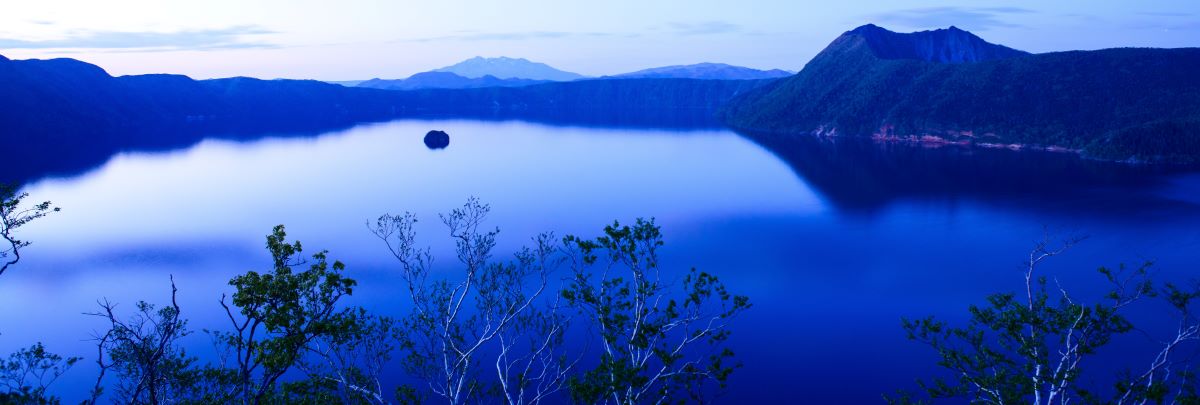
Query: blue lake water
{"x":834,"y":242}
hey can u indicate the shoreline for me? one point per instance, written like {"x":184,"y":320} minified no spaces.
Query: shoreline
{"x":935,"y":141}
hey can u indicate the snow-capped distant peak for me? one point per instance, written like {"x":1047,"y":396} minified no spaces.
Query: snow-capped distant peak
{"x":508,"y":68}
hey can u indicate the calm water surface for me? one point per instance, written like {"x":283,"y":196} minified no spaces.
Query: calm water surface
{"x":833,"y":242}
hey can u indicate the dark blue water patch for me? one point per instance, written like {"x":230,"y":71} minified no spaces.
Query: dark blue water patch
{"x":68,"y":153}
{"x":834,"y":242}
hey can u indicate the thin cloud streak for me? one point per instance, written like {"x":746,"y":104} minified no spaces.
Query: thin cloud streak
{"x":1146,"y":21}
{"x":676,"y":28}
{"x":513,"y":36}
{"x":1167,"y":14}
{"x":209,"y":39}
{"x":705,"y":28}
{"x":976,"y":18}
{"x":1190,"y":25}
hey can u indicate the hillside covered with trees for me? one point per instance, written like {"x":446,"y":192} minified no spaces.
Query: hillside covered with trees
{"x":68,"y":115}
{"x":950,"y":86}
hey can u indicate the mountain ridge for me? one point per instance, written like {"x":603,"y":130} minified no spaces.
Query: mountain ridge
{"x":946,"y":45}
{"x":63,"y":116}
{"x":444,"y":80}
{"x":508,"y":68}
{"x":1131,"y":104}
{"x":705,"y":71}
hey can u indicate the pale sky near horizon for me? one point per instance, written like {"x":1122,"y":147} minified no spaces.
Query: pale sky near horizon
{"x":361,"y":39}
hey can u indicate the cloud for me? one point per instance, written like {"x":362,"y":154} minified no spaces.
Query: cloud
{"x":704,"y":28}
{"x":512,"y":36}
{"x":975,"y":18}
{"x":209,"y":39}
{"x":1166,"y":26}
{"x":679,"y":28}
{"x":1165,"y":21}
{"x":1167,"y":14}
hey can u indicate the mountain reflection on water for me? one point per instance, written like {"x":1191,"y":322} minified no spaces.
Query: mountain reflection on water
{"x":71,"y":154}
{"x":861,"y":176}
{"x":833,"y":240}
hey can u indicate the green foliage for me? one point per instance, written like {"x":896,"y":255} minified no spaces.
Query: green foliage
{"x":407,"y":395}
{"x":1168,"y":379}
{"x":1169,"y":141}
{"x":1032,"y":348}
{"x":351,"y":360}
{"x":283,"y":312}
{"x":144,"y":354}
{"x":26,"y":375}
{"x":661,"y":343}
{"x":657,"y":345}
{"x":13,"y":217}
{"x":490,"y":306}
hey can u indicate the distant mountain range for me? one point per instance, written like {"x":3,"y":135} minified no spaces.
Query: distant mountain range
{"x":67,"y":96}
{"x":62,"y":115}
{"x":508,"y":68}
{"x":705,"y":71}
{"x":479,"y":72}
{"x":950,"y":86}
{"x":943,"y":86}
{"x":445,"y":80}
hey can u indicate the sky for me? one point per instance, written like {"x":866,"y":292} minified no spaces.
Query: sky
{"x":362,"y":39}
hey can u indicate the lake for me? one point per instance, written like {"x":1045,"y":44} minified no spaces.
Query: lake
{"x":833,"y":241}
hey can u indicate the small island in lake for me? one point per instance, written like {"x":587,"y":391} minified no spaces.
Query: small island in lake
{"x":436,"y":139}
